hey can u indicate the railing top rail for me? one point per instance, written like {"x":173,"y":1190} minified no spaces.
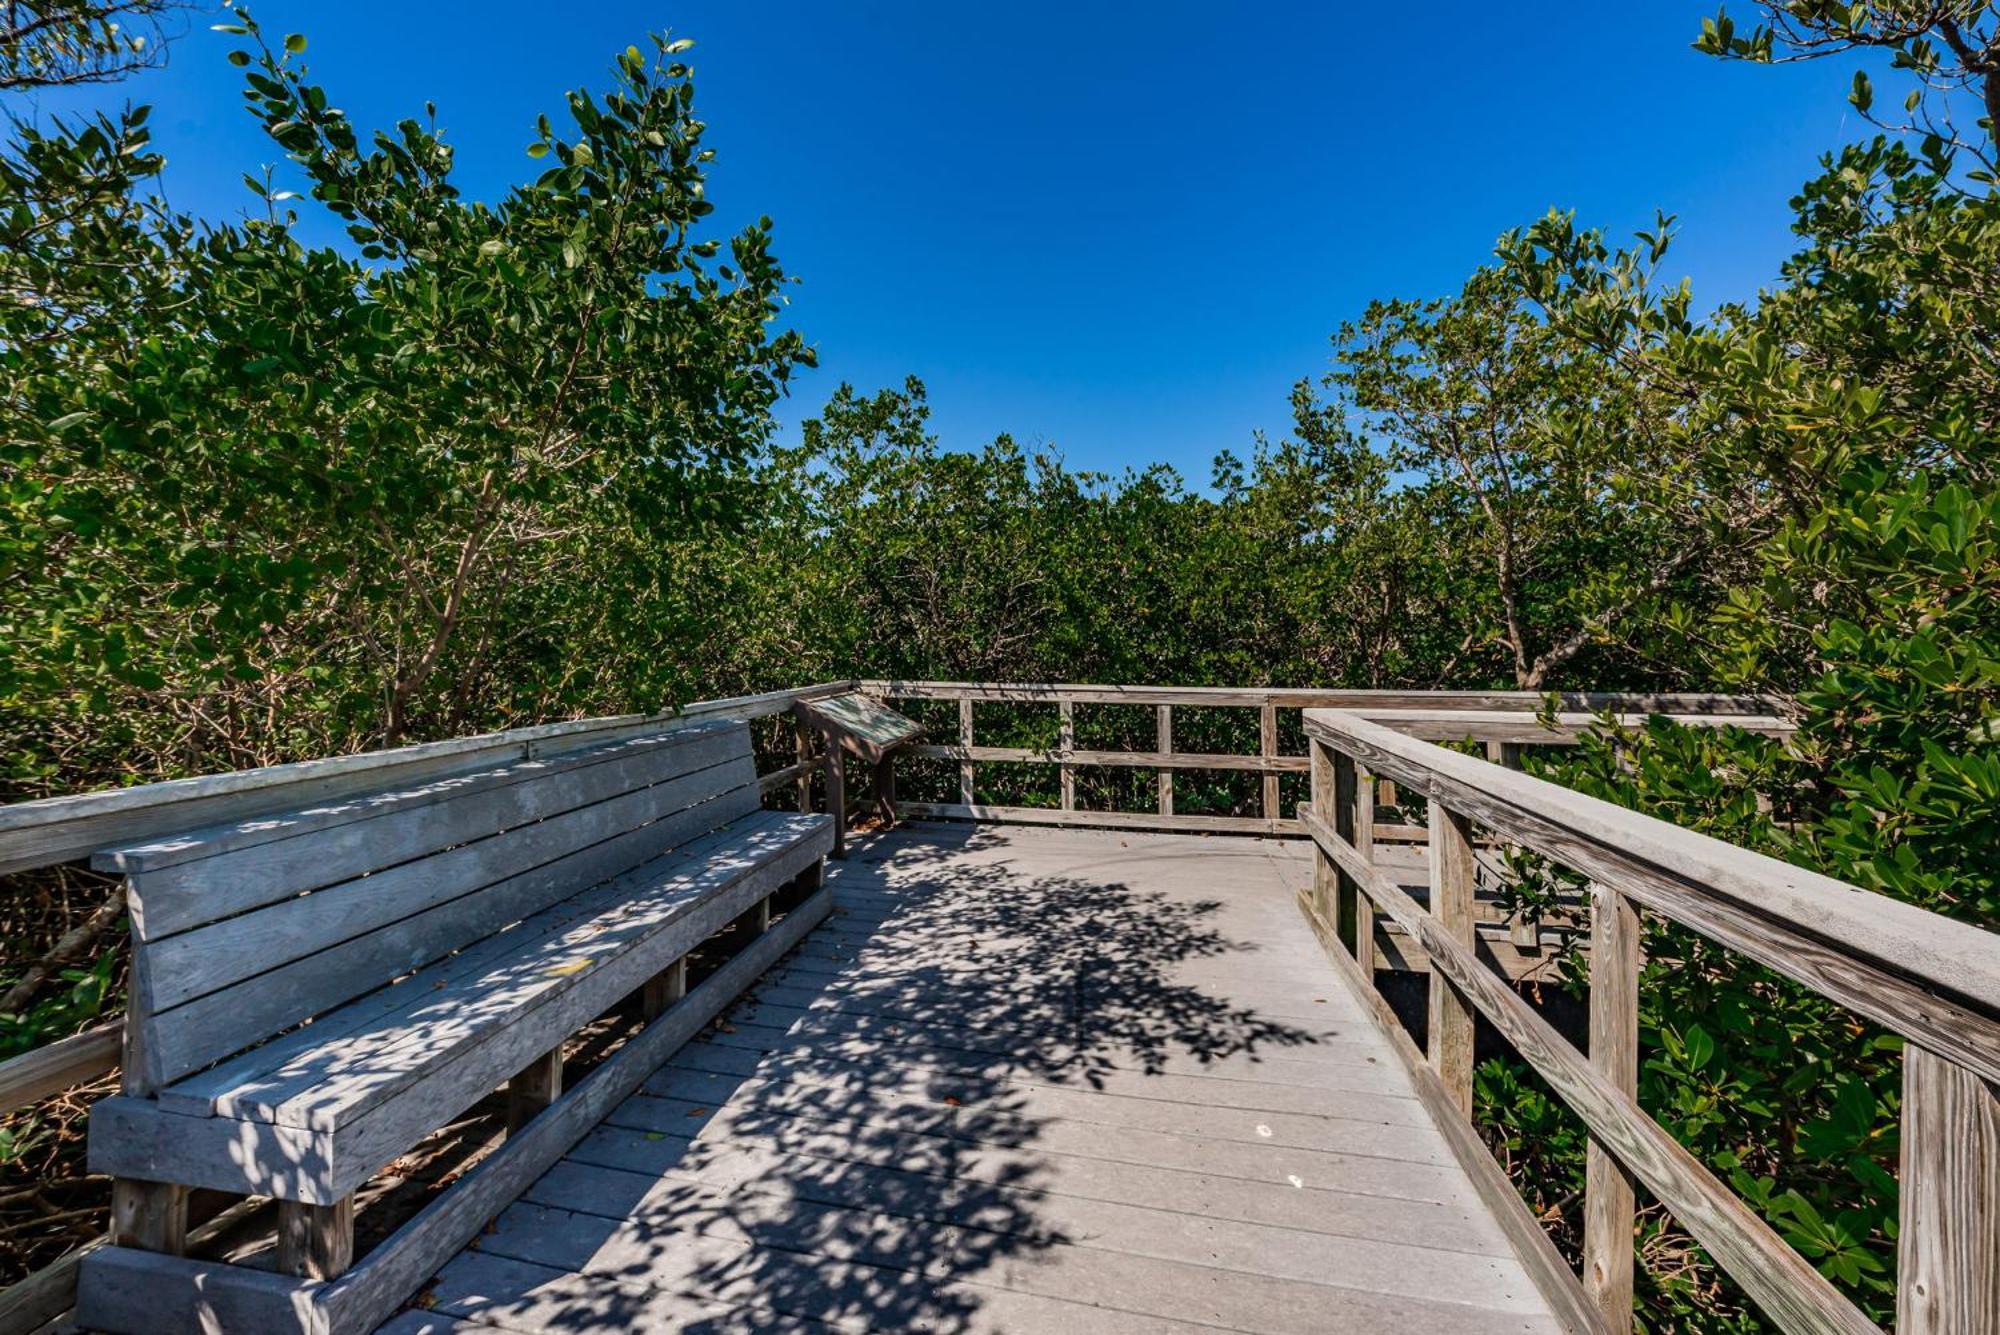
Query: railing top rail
{"x":1932,"y":979}
{"x":1512,"y":702}
{"x":57,"y":829}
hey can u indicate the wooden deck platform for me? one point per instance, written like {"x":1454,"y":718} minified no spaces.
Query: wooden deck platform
{"x":1029,"y":1080}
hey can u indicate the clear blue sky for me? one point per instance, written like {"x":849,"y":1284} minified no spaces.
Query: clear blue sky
{"x":1120,"y":229}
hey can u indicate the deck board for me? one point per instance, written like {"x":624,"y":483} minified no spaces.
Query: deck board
{"x":1024,"y":1080}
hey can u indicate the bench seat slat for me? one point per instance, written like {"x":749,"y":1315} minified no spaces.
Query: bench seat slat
{"x":216,"y":955}
{"x":198,"y":1093}
{"x":439,"y":1006}
{"x":456,"y":1042}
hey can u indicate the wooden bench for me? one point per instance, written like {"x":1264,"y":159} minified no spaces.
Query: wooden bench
{"x":315,"y":993}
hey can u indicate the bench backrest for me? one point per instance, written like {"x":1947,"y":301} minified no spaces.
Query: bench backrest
{"x":241,"y":931}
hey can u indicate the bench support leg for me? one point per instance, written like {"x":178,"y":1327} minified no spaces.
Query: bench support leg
{"x":316,"y":1241}
{"x":534,"y":1089}
{"x":663,"y":989}
{"x":152,"y":1216}
{"x":812,"y":877}
{"x":882,"y":787}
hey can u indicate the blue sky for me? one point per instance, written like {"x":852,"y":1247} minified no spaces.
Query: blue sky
{"x":1122,"y":230}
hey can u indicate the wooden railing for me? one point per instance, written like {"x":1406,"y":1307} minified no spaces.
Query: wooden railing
{"x":1933,"y":981}
{"x":1502,"y":720}
{"x":61,"y":829}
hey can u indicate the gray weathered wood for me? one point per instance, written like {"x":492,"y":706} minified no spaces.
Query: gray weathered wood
{"x":1177,"y":823}
{"x":316,"y":1241}
{"x":1519,"y":702}
{"x":319,"y":1129}
{"x":1065,"y":749}
{"x":664,"y":988}
{"x":965,"y":776}
{"x":534,"y":1087}
{"x":1451,"y":1028}
{"x":150,"y":1215}
{"x":183,"y":1038}
{"x":836,"y":797}
{"x":1609,"y":1202}
{"x":1164,"y":759}
{"x":182,"y":883}
{"x":1163,"y":742}
{"x":1267,"y":750}
{"x":33,"y":1076}
{"x":1948,"y":1265}
{"x":205,"y":1295}
{"x":1787,"y":1288}
{"x":1933,"y":980}
{"x":1361,"y":833}
{"x":1550,"y":1271}
{"x":611,"y":867}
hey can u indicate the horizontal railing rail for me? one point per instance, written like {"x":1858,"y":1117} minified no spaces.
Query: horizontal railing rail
{"x":1931,"y":980}
{"x":1501,"y":720}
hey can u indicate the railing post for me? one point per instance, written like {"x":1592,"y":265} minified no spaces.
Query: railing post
{"x":1523,"y":933}
{"x":1163,"y":718}
{"x":1347,"y":895}
{"x":1324,"y":765}
{"x":1948,"y":1263}
{"x":1066,"y":744}
{"x":802,"y":739}
{"x":836,"y":792}
{"x":1451,"y":867}
{"x":965,"y":789}
{"x":1361,"y":833}
{"x":1267,"y":747}
{"x":1609,"y":1201}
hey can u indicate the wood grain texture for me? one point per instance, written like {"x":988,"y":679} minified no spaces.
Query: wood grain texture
{"x":1451,"y":1015}
{"x":1531,"y":1243}
{"x":1163,"y":744}
{"x":1267,"y":751}
{"x":1065,"y":752}
{"x":1609,"y":1200}
{"x":1178,"y":823}
{"x":1928,"y":978}
{"x":186,"y":1037}
{"x":33,"y":1076}
{"x":1785,"y":1286}
{"x":1948,"y":1264}
{"x":1522,"y":702}
{"x":316,"y":1241}
{"x":965,"y":776}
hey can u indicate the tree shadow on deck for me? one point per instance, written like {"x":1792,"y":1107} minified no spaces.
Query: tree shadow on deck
{"x":869,"y":1139}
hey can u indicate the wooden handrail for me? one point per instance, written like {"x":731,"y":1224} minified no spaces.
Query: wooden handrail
{"x":1934,"y":981}
{"x":1503,"y":720}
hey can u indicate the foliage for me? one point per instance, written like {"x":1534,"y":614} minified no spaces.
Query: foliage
{"x":496,"y":462}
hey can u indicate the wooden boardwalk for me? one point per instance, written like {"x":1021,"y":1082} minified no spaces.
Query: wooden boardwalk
{"x":1029,"y":1080}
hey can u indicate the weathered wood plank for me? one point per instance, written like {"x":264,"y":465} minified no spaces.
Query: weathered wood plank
{"x":1130,"y":820}
{"x":316,"y":1241}
{"x":1163,"y":743}
{"x":1527,"y":702}
{"x":534,"y":1087}
{"x":1948,"y":1268}
{"x":373,"y":1289}
{"x":1065,"y":750}
{"x":1787,"y":1288}
{"x":1609,"y":1200}
{"x":1933,"y":980}
{"x":186,"y":1037}
{"x":181,"y":883}
{"x":1164,"y":759}
{"x":965,"y":785}
{"x":603,"y":867}
{"x":1545,"y":1265}
{"x":54,"y":1067}
{"x":1451,"y":1028}
{"x":1267,"y":751}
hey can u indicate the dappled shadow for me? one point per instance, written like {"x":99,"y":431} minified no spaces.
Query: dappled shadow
{"x":869,"y":1139}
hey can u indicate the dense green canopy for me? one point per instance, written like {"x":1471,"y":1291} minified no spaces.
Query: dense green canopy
{"x":501,"y":462}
